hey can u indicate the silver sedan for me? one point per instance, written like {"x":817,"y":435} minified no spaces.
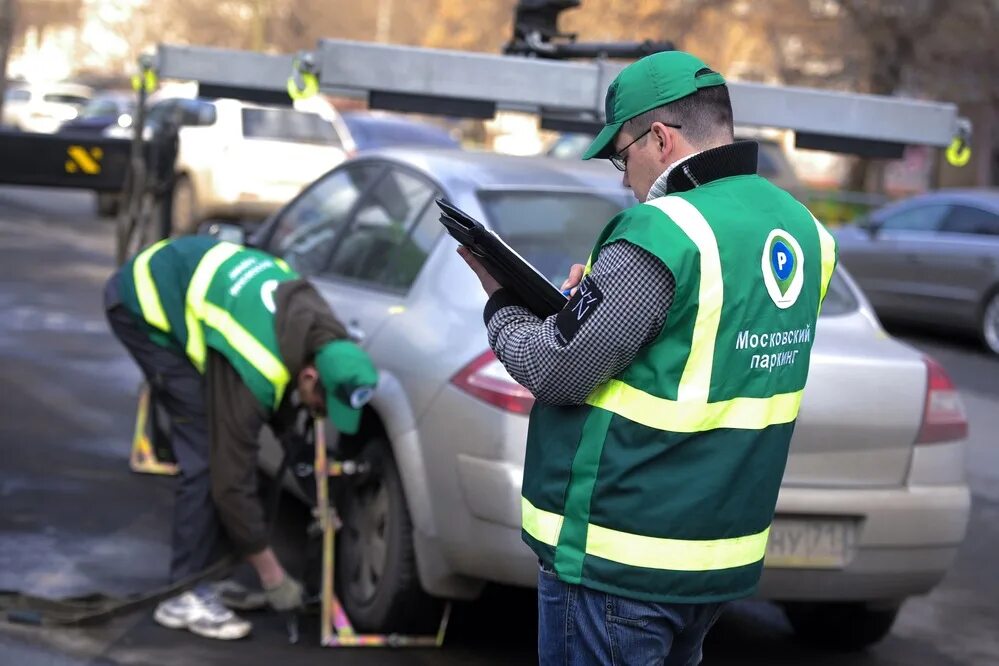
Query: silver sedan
{"x":933,"y":260}
{"x":874,"y":501}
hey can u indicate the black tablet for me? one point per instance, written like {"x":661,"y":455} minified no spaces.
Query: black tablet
{"x":502,"y":261}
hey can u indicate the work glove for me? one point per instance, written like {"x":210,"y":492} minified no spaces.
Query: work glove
{"x":286,"y":595}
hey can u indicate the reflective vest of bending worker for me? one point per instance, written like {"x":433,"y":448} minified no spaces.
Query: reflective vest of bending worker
{"x":196,"y":293}
{"x":663,"y":486}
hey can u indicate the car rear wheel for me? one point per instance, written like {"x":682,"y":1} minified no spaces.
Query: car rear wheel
{"x":989,"y":329}
{"x":184,"y":208}
{"x":846,"y":626}
{"x":108,"y":204}
{"x":376,"y":572}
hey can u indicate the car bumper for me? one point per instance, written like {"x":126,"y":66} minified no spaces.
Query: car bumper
{"x":906,"y":537}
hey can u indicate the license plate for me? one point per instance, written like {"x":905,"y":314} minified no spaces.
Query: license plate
{"x":810,"y":543}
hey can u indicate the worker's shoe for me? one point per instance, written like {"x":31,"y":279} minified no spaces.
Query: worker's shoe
{"x":203,"y":614}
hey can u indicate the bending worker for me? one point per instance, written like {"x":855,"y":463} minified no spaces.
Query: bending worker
{"x":660,"y":433}
{"x":229,"y":339}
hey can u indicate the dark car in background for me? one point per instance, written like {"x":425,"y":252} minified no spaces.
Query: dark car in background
{"x":932,"y":259}
{"x":102,"y":111}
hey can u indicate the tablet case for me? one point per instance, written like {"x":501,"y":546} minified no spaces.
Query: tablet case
{"x":506,"y":266}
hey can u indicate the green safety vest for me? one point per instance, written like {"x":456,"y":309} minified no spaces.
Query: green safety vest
{"x":662,"y":487}
{"x":196,"y":293}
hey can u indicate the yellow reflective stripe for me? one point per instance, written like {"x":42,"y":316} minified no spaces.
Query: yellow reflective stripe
{"x":196,"y":292}
{"x":249,"y":348}
{"x":283,"y":264}
{"x":542,"y":525}
{"x":687,"y":416}
{"x":145,"y":289}
{"x":695,"y":382}
{"x":588,"y":267}
{"x":828,"y":245}
{"x":675,"y":554}
{"x":650,"y":552}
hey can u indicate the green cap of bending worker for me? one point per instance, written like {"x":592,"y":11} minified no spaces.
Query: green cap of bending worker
{"x":653,"y":81}
{"x":349,"y":378}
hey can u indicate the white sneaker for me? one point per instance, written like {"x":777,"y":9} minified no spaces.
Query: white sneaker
{"x":203,"y":615}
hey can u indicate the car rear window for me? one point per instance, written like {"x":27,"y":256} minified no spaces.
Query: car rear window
{"x":17,"y":95}
{"x":63,"y":98}
{"x":839,"y":297}
{"x":552,"y":230}
{"x":287,"y":125}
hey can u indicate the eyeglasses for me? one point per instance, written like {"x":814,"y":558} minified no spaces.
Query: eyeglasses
{"x":620,"y":161}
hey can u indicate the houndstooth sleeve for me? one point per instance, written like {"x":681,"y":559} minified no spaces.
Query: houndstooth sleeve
{"x":629,"y":293}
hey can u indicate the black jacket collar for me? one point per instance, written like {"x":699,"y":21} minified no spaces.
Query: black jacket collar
{"x":735,"y":159}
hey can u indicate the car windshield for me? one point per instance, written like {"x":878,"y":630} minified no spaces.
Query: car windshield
{"x":552,"y":230}
{"x":65,"y":98}
{"x":287,"y":125}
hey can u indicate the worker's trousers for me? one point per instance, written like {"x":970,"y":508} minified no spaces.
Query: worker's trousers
{"x":578,"y":626}
{"x":197,"y":539}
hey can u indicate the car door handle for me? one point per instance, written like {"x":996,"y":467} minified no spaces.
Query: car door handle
{"x":355,"y":331}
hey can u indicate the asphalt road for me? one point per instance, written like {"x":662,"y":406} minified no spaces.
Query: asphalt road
{"x":75,"y":520}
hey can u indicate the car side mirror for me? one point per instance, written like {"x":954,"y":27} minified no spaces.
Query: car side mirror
{"x":871,"y":226}
{"x":223,"y":231}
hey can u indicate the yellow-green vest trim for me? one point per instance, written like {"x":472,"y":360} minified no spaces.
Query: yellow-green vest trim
{"x":202,"y":294}
{"x":663,"y":486}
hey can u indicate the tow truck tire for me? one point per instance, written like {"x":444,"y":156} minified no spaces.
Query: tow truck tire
{"x":843,"y":627}
{"x":376,"y":575}
{"x":184,"y":208}
{"x":108,"y":204}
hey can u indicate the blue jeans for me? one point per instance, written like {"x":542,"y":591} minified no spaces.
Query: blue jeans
{"x":578,"y":626}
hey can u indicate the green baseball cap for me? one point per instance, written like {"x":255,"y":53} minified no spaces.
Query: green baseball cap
{"x":651,"y":82}
{"x":349,"y":378}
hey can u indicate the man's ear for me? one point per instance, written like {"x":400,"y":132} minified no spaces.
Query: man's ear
{"x":665,"y":141}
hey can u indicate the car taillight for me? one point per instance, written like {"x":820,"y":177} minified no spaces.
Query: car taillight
{"x":943,"y":413}
{"x":487,"y":379}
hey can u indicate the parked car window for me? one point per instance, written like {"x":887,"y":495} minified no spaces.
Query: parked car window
{"x":99,"y":108}
{"x":919,"y":218}
{"x":63,"y":98}
{"x":839,"y":298}
{"x":389,"y":238}
{"x":197,"y":113}
{"x":307,"y":228}
{"x":968,"y":220}
{"x":287,"y":125}
{"x":552,"y":230}
{"x":17,"y":95}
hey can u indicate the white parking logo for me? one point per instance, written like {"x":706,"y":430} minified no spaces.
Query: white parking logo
{"x":783,"y":266}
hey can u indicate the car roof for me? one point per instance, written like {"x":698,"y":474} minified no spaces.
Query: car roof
{"x":979,"y":197}
{"x":464,"y":169}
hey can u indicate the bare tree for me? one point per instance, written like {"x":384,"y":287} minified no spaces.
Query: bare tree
{"x":7,"y":17}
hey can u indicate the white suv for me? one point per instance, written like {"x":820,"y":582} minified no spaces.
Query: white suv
{"x":242,"y":160}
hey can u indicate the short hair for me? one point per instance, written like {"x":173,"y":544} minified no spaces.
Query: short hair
{"x":705,"y":117}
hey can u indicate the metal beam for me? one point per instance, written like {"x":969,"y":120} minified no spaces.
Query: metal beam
{"x":573,"y":90}
{"x":225,"y":68}
{"x":564,"y":93}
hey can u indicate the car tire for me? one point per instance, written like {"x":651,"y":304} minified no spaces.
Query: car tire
{"x":988,"y":327}
{"x":376,"y":575}
{"x":108,"y":204}
{"x":183,"y":208}
{"x":843,"y":627}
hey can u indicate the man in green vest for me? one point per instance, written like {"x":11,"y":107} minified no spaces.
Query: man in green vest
{"x":668,"y":388}
{"x":230,"y":339}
